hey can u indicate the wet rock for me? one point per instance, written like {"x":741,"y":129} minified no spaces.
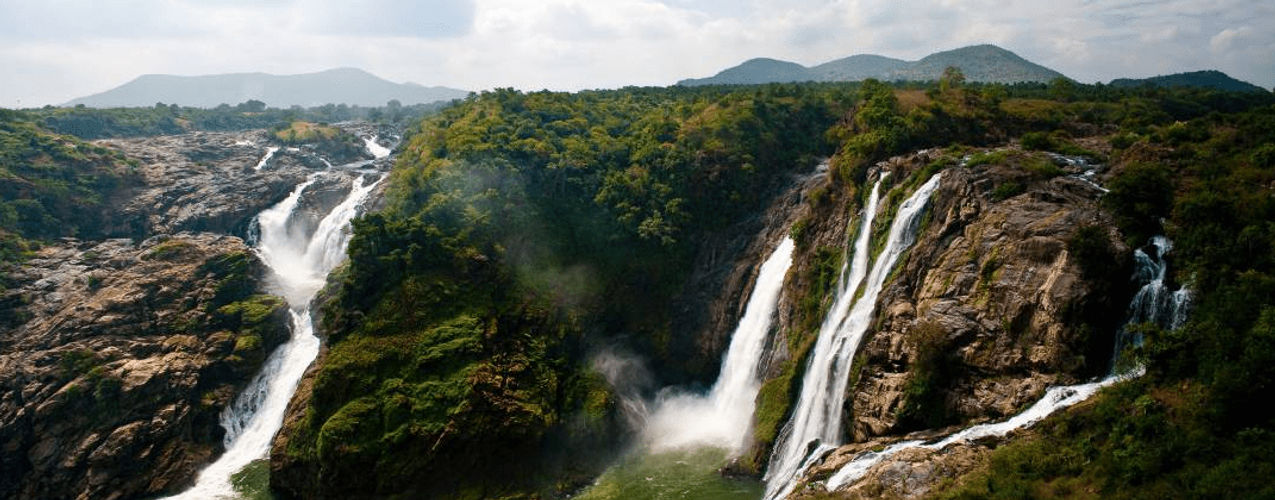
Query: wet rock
{"x":1012,"y":310}
{"x":985,"y":311}
{"x":206,"y":181}
{"x":112,"y":381}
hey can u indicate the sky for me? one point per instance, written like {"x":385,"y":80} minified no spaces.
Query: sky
{"x":52,"y":51}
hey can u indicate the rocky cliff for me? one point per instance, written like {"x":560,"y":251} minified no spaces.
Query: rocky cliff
{"x":990,"y":307}
{"x":211,"y":181}
{"x":118,"y":357}
{"x":1014,"y":284}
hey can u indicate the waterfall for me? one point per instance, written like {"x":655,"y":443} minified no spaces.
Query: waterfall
{"x":270,"y":151}
{"x":378,"y":151}
{"x":1152,"y":303}
{"x":722,"y":417}
{"x":815,"y":425}
{"x":299,"y":264}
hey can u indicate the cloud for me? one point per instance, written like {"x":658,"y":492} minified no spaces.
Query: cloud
{"x":407,"y":18}
{"x":55,"y":50}
{"x":1227,"y":38}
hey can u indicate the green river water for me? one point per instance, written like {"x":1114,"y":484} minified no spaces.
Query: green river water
{"x":689,"y":474}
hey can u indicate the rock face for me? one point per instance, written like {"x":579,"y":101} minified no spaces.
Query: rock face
{"x":726,"y":268}
{"x":989,"y":308}
{"x":910,"y":473}
{"x":116,"y":359}
{"x":208,"y":181}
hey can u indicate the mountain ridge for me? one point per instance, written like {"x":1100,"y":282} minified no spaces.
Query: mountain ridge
{"x":979,"y":63}
{"x":1213,"y":79}
{"x":344,"y":85}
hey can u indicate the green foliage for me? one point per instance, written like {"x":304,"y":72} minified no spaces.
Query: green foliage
{"x":169,"y":249}
{"x":1187,"y":428}
{"x":245,"y":343}
{"x":1133,"y":441}
{"x":1007,"y":190}
{"x":932,"y":368}
{"x":987,"y":158}
{"x":522,"y":229}
{"x":1042,"y":167}
{"x":1140,"y":196}
{"x":53,"y":185}
{"x":1092,"y":249}
{"x":253,"y":481}
{"x":78,"y":362}
{"x":92,"y":123}
{"x":1038,"y":141}
{"x":235,"y":279}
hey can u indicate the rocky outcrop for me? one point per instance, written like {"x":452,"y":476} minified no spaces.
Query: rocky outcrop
{"x":910,"y":473}
{"x":206,"y":181}
{"x":119,"y":358}
{"x":986,"y":310}
{"x":210,"y":181}
{"x":990,"y":307}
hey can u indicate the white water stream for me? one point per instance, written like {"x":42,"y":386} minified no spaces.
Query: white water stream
{"x":299,"y":265}
{"x":815,"y":425}
{"x":1153,"y":303}
{"x":378,"y":151}
{"x":270,"y":151}
{"x":722,"y":417}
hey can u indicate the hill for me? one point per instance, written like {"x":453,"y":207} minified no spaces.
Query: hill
{"x":980,"y":63}
{"x":1206,"y":79}
{"x":336,"y":86}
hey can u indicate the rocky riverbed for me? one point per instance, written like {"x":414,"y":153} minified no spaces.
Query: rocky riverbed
{"x":118,"y":356}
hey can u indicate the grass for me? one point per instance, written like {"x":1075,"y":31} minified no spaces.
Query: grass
{"x":300,"y":132}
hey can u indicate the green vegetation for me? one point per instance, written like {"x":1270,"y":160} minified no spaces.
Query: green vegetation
{"x":1188,"y":428}
{"x":1007,"y":190}
{"x":299,"y":132}
{"x":53,"y":186}
{"x":330,"y":140}
{"x":674,"y":474}
{"x":520,"y":229}
{"x":253,"y":481}
{"x":94,"y":123}
{"x":932,"y":368}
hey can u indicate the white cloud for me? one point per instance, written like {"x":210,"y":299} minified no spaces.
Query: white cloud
{"x":55,"y":50}
{"x":1227,"y":38}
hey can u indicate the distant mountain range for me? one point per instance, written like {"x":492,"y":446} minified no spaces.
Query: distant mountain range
{"x":1207,"y":79}
{"x":336,"y":86}
{"x":979,"y":63}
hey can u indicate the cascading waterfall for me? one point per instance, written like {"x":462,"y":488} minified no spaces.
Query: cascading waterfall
{"x":270,"y":151}
{"x":378,"y":151}
{"x":1153,"y":303}
{"x":722,"y":417}
{"x":816,"y":420}
{"x":299,"y":264}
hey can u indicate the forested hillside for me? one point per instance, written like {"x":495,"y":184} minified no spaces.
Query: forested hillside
{"x":53,"y":185}
{"x":525,"y":232}
{"x":522,"y":232}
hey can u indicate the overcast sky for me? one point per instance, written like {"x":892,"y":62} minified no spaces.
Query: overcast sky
{"x":54,"y":50}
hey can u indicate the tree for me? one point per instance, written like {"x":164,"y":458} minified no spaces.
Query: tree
{"x":952,"y":79}
{"x":252,"y":106}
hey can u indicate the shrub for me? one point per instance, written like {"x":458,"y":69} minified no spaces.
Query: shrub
{"x":1006,"y":190}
